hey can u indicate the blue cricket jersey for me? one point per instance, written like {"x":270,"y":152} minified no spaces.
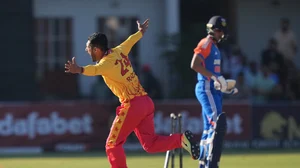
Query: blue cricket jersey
{"x":209,"y":52}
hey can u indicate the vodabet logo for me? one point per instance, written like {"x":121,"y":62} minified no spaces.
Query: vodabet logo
{"x":195,"y":124}
{"x":33,"y":125}
{"x":234,"y":124}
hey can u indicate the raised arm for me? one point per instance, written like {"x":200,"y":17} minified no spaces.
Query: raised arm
{"x":134,"y":38}
{"x":130,"y":42}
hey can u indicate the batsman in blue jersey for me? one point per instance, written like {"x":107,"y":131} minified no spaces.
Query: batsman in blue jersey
{"x":209,"y":89}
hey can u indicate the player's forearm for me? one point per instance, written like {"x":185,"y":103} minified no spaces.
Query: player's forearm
{"x":131,"y":40}
{"x":200,"y":69}
{"x":89,"y":70}
{"x":134,"y":38}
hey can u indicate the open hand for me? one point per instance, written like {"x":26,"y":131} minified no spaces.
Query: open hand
{"x":72,"y":67}
{"x":143,"y":27}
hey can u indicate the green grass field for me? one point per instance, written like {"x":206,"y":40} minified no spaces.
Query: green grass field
{"x":241,"y":159}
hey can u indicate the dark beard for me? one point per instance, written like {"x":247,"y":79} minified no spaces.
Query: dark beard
{"x":94,"y":59}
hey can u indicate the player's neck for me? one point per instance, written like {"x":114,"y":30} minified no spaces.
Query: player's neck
{"x":107,"y":52}
{"x":212,"y":39}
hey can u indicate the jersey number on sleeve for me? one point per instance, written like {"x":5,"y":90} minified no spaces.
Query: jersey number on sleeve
{"x":124,"y":62}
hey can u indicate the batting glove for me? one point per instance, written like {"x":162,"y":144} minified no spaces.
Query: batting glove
{"x":231,"y":91}
{"x":219,"y":83}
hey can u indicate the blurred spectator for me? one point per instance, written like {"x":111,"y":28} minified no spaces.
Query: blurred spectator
{"x":225,"y":64}
{"x":244,"y":90}
{"x":293,"y":89}
{"x":277,"y":93}
{"x":274,"y":77}
{"x":236,"y":62}
{"x":274,"y":60}
{"x":150,"y":83}
{"x":286,"y":40}
{"x":262,"y":86}
{"x":251,"y":73}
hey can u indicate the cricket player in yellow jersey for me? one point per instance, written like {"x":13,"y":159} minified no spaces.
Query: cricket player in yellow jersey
{"x":136,"y":111}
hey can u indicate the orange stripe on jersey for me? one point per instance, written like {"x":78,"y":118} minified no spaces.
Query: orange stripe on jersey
{"x":117,"y":125}
{"x":204,"y":47}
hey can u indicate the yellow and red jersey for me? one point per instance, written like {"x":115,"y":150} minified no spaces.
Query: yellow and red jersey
{"x":117,"y":71}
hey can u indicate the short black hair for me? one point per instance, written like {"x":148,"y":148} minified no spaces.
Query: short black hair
{"x":98,"y":40}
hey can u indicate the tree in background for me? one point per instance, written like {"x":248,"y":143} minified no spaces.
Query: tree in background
{"x":178,"y":52}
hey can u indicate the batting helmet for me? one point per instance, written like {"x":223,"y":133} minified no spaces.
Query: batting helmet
{"x":217,"y":23}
